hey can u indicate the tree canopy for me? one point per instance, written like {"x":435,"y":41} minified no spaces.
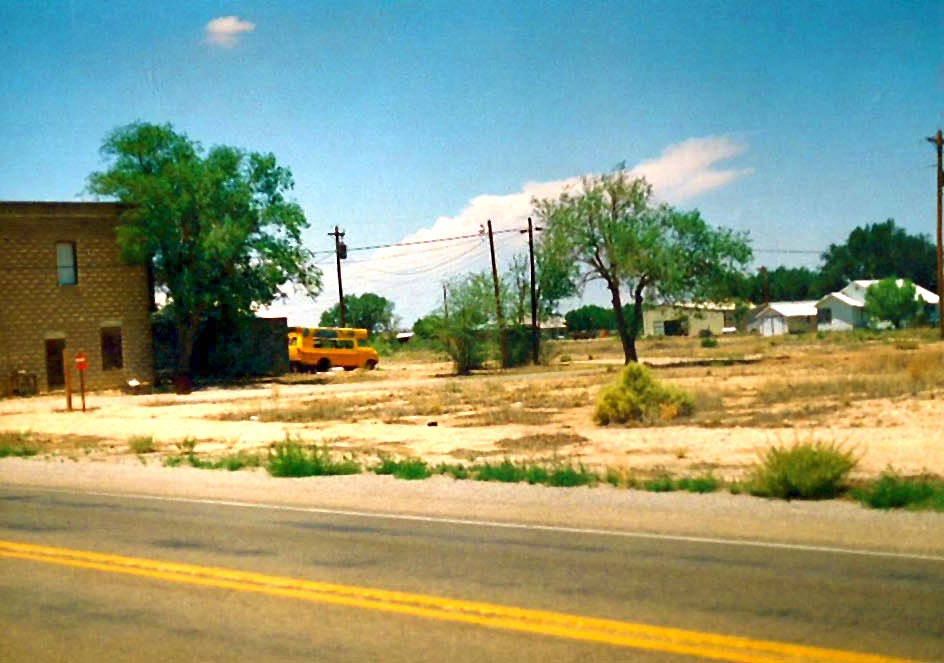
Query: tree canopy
{"x":887,"y":300}
{"x":614,"y":232}
{"x":878,"y":251}
{"x":369,"y":311}
{"x":215,"y":224}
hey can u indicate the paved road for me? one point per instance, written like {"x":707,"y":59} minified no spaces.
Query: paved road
{"x":59,"y":604}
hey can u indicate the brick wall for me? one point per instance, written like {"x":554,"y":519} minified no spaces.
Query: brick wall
{"x":34,"y":307}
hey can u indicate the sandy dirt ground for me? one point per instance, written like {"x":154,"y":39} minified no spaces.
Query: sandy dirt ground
{"x":905,"y":432}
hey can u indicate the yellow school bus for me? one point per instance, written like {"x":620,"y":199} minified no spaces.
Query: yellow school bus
{"x":322,"y":348}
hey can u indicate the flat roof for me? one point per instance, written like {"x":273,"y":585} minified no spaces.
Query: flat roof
{"x":30,"y":208}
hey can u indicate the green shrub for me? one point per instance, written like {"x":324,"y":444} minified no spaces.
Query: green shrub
{"x":806,"y":470}
{"x":702,"y":484}
{"x":290,"y":459}
{"x":637,"y":397}
{"x":709,"y":342}
{"x":506,"y":471}
{"x":455,"y":471}
{"x":410,"y":469}
{"x":660,"y":484}
{"x":892,"y":491}
{"x":17,"y":444}
{"x":568,"y":476}
{"x":141,"y":445}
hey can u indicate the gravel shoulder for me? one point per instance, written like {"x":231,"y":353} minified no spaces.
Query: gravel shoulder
{"x":831,"y":524}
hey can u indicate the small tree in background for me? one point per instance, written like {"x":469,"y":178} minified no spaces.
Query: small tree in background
{"x":368,"y":311}
{"x":465,"y":335}
{"x":898,"y":303}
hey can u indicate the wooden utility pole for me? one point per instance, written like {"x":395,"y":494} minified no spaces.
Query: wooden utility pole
{"x":535,"y":329}
{"x":502,"y":340}
{"x":765,"y":285}
{"x":938,"y":141}
{"x":340,"y":252}
{"x":445,"y":303}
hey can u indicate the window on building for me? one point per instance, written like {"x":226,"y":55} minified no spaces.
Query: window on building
{"x":111,"y":348}
{"x":66,"y":263}
{"x":824,"y":315}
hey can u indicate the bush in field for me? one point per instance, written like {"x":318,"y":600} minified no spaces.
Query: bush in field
{"x":808,"y":470}
{"x":892,"y":491}
{"x":290,"y":459}
{"x":637,"y":397}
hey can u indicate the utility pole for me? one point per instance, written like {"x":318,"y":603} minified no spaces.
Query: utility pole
{"x":765,"y":285}
{"x":340,"y":253}
{"x":502,"y":340}
{"x":938,"y":141}
{"x":445,"y":303}
{"x":535,"y":329}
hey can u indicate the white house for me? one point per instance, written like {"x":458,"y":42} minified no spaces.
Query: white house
{"x":844,"y":310}
{"x":777,"y":318}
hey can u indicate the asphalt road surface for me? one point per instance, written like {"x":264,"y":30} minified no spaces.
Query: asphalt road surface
{"x":97,"y":578}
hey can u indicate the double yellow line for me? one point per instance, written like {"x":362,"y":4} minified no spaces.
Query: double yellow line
{"x":574,"y":627}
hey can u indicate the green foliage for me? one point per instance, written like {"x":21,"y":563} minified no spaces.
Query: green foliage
{"x":616,"y":233}
{"x":709,"y":342}
{"x":464,"y":334}
{"x":637,"y":397}
{"x":809,"y":470}
{"x":428,"y":327}
{"x":699,"y":484}
{"x":664,"y":483}
{"x":896,"y":303}
{"x":892,"y":491}
{"x":291,"y":459}
{"x":879,"y":251}
{"x":368,"y":311}
{"x":456,"y":471}
{"x":588,"y":320}
{"x":17,"y":444}
{"x":567,"y":476}
{"x":141,"y":444}
{"x":507,"y":472}
{"x":410,"y":469}
{"x":784,"y":284}
{"x":216,"y":224}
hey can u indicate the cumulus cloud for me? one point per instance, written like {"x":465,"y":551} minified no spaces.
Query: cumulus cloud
{"x":410,"y":275}
{"x":225,"y":30}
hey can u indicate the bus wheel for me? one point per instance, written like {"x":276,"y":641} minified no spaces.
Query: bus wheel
{"x":370,"y":365}
{"x":323,"y":365}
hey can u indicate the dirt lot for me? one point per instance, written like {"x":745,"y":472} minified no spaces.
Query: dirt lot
{"x":882,"y":395}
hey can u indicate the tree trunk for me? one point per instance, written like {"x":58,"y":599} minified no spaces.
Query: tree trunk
{"x":186,"y":336}
{"x":627,"y":336}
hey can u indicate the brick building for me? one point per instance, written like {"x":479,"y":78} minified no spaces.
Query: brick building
{"x":63,"y":286}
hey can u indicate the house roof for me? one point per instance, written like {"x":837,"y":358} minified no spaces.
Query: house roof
{"x":790,"y":309}
{"x":926,"y":295}
{"x":844,"y":298}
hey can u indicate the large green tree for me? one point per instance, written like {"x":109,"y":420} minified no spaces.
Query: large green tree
{"x":617,"y":234}
{"x":368,"y":311}
{"x":894,"y":302}
{"x":216,"y":224}
{"x":878,"y":251}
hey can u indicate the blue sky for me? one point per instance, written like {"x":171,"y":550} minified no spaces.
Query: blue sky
{"x":401,"y":121}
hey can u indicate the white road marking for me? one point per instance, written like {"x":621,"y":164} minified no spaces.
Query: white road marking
{"x":625,"y":534}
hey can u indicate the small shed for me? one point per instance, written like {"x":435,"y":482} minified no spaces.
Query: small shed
{"x":778,"y":318}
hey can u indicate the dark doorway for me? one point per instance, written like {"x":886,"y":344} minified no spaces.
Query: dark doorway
{"x":55,"y":375}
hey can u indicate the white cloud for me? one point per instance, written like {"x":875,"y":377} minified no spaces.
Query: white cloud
{"x":410,"y":276}
{"x":225,"y":30}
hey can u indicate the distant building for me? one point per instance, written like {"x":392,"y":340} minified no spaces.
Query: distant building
{"x":778,"y":318}
{"x":686,"y":319}
{"x":845,"y":309}
{"x":63,"y":286}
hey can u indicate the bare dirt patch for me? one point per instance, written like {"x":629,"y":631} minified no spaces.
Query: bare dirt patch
{"x":883,"y":395}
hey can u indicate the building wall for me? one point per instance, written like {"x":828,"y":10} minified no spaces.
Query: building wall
{"x":844,"y":317}
{"x":654,"y":320}
{"x":34,"y":307}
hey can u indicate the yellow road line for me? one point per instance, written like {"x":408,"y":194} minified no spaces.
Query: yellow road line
{"x":623,"y":634}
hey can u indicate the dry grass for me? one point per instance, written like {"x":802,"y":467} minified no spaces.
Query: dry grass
{"x":539,"y":443}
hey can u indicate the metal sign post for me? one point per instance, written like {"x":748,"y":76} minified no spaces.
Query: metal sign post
{"x":81,"y":363}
